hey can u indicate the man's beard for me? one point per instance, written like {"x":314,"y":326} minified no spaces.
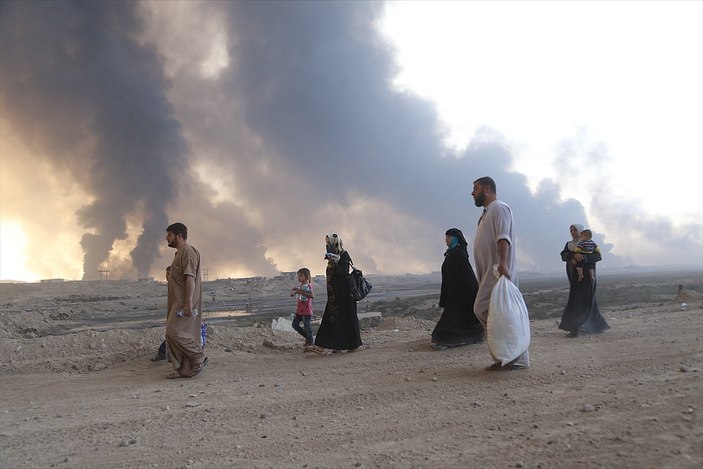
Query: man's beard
{"x":171,"y":244}
{"x":480,"y":199}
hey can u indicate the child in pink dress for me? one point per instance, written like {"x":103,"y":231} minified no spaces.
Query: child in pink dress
{"x":303,"y":310}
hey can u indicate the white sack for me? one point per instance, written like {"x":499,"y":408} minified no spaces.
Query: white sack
{"x":282,"y":324}
{"x":508,"y":327}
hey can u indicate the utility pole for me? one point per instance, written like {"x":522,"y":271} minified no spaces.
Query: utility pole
{"x":104,"y":271}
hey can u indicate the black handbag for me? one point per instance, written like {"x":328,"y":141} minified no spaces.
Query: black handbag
{"x":359,"y":287}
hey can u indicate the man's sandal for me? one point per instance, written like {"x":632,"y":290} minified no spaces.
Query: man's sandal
{"x":508,"y":367}
{"x":199,"y":367}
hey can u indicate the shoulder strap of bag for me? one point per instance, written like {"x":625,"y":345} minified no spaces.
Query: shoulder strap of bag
{"x":351,"y":263}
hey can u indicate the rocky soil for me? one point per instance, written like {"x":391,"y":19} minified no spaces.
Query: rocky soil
{"x":79,"y":389}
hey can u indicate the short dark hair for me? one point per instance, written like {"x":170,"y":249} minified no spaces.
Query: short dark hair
{"x":487,"y":181}
{"x":178,"y":229}
{"x":305,"y":271}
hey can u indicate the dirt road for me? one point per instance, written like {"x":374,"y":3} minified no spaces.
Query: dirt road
{"x":629,"y":398}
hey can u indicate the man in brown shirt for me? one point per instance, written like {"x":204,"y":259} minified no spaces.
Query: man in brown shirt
{"x":184,"y":306}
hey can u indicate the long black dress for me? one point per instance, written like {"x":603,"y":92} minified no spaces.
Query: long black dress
{"x":581,"y":314}
{"x":458,"y":324}
{"x":339,"y":329}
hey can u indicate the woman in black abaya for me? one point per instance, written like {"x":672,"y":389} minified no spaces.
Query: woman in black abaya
{"x":458,"y":324}
{"x":339,"y":329}
{"x":581,"y":314}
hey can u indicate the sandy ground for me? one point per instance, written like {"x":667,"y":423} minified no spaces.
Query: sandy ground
{"x":90,"y":398}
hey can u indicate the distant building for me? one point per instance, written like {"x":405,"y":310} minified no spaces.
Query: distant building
{"x":52,"y":280}
{"x":246,"y":280}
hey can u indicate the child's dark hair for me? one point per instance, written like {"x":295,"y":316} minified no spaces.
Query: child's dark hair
{"x":305,"y":271}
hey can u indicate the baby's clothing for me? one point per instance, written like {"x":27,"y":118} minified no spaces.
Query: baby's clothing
{"x":586,"y":246}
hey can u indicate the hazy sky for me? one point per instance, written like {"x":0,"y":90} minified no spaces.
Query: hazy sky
{"x":263,"y":126}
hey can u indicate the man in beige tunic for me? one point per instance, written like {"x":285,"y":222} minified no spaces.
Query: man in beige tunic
{"x":494,"y":245}
{"x":184,"y":306}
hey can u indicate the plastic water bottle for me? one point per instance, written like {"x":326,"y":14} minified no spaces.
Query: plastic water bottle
{"x":179,"y":313}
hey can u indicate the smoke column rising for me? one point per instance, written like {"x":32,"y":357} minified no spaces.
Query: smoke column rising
{"x":262,"y":126}
{"x":90,"y":70}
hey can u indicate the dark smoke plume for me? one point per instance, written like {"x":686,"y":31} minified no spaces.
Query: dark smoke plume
{"x":77,"y":68}
{"x":296,"y":133}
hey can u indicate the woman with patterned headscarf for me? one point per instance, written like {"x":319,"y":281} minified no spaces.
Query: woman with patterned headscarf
{"x":458,"y":324}
{"x":339,"y":329}
{"x":581,"y":314}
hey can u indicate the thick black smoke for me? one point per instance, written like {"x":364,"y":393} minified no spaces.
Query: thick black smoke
{"x":299,"y":134}
{"x":313,"y":82}
{"x":77,"y":68}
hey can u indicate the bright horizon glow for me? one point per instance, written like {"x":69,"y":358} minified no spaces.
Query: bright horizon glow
{"x":626,"y":75}
{"x":13,"y":260}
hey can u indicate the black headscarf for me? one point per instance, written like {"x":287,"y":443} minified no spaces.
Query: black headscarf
{"x":456,"y":232}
